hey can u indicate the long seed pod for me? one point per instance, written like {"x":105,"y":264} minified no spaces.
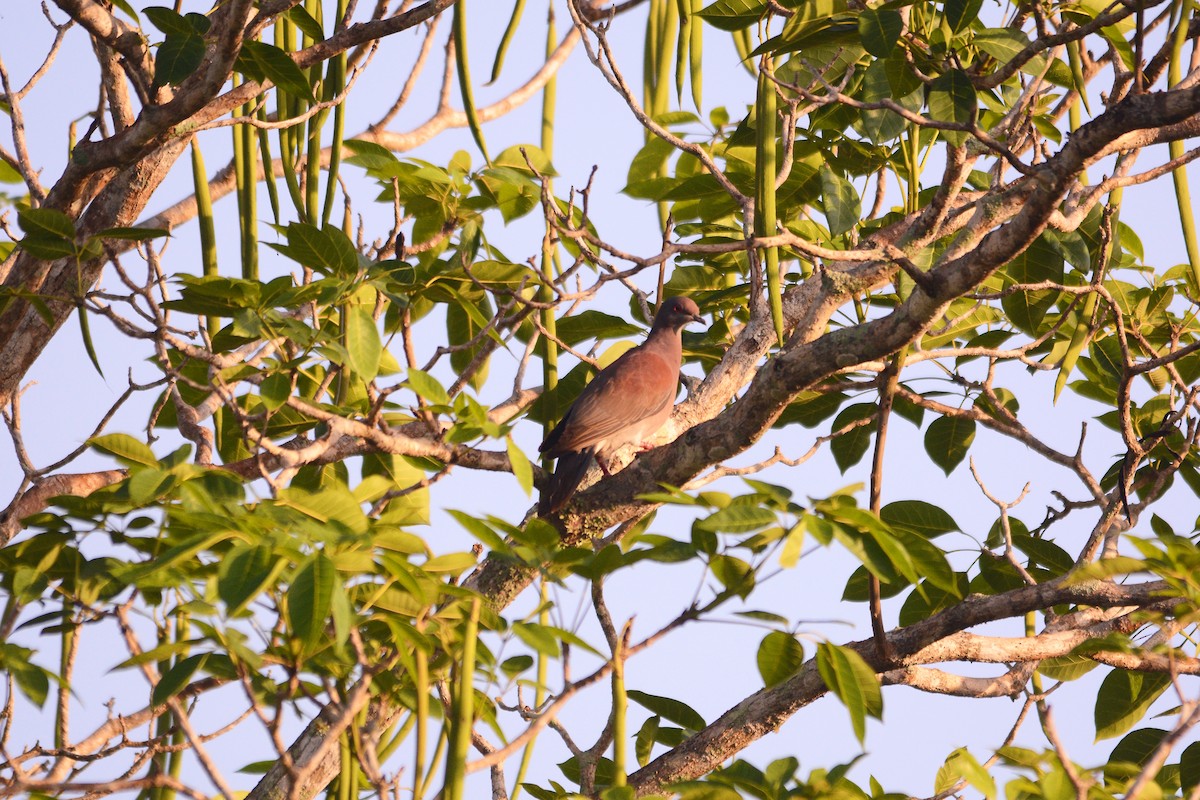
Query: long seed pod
{"x":1076,"y":64}
{"x":620,"y":707}
{"x":264,"y":149}
{"x":650,"y":57}
{"x":695,"y":52}
{"x":439,"y":751}
{"x":464,"y":77}
{"x":682,"y":44}
{"x":1183,"y":194}
{"x":669,"y":24}
{"x":463,"y":710}
{"x":345,"y":778}
{"x":421,"y":715}
{"x":539,"y":692}
{"x":285,"y":108}
{"x":312,"y":138}
{"x":505,"y":40}
{"x":549,"y":252}
{"x":204,"y":215}
{"x":765,"y":216}
{"x":248,"y":195}
{"x":335,"y":83}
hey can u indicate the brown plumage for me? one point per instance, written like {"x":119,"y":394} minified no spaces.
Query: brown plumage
{"x":625,"y":403}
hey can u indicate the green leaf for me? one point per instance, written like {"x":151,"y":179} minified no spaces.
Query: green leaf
{"x":919,"y":517}
{"x":734,"y":574}
{"x":853,"y":682}
{"x":260,"y":60}
{"x":952,"y":99}
{"x":175,"y":679}
{"x":310,"y":599}
{"x":647,"y":736}
{"x":33,"y":681}
{"x":843,"y":208}
{"x":46,"y":223}
{"x":779,"y":657}
{"x":1002,"y":44}
{"x":372,"y":157}
{"x":964,"y":765}
{"x":879,"y":30}
{"x":363,"y":344}
{"x":522,"y":469}
{"x":1066,"y":668}
{"x":427,"y":387}
{"x":593,"y":325}
{"x":325,"y":249}
{"x":449,"y":562}
{"x":960,"y":14}
{"x":178,"y":57}
{"x":244,"y":573}
{"x":85,"y":330}
{"x":516,"y":665}
{"x":537,"y":637}
{"x":947,"y":441}
{"x":332,"y":503}
{"x":732,"y":15}
{"x":126,"y":449}
{"x":849,"y":447}
{"x":738,"y":519}
{"x":128,"y":9}
{"x":169,"y":21}
{"x":306,"y":22}
{"x":1135,"y":749}
{"x":1124,"y":698}
{"x":132,"y":234}
{"x":48,"y":249}
{"x":668,"y":708}
{"x":275,"y":390}
{"x":1189,"y":768}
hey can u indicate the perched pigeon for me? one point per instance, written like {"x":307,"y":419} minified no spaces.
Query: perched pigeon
{"x":625,"y":404}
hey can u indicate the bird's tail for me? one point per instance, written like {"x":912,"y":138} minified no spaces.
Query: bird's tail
{"x":568,"y":474}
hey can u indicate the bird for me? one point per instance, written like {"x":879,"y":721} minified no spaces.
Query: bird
{"x":626,"y":403}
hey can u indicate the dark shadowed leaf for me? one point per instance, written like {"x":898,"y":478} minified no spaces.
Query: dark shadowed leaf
{"x":952,"y":99}
{"x":260,"y":60}
{"x":879,"y":30}
{"x":178,"y":57}
{"x":175,"y":679}
{"x":843,"y":208}
{"x":667,"y":708}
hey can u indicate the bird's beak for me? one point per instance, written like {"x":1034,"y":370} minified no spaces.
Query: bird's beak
{"x":697,"y":318}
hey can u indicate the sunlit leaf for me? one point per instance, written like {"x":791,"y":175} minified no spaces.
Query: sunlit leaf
{"x":853,"y":682}
{"x":779,"y":656}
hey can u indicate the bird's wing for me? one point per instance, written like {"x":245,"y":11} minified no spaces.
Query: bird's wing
{"x":637,"y":386}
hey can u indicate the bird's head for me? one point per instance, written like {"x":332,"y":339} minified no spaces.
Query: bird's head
{"x":676,"y":312}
